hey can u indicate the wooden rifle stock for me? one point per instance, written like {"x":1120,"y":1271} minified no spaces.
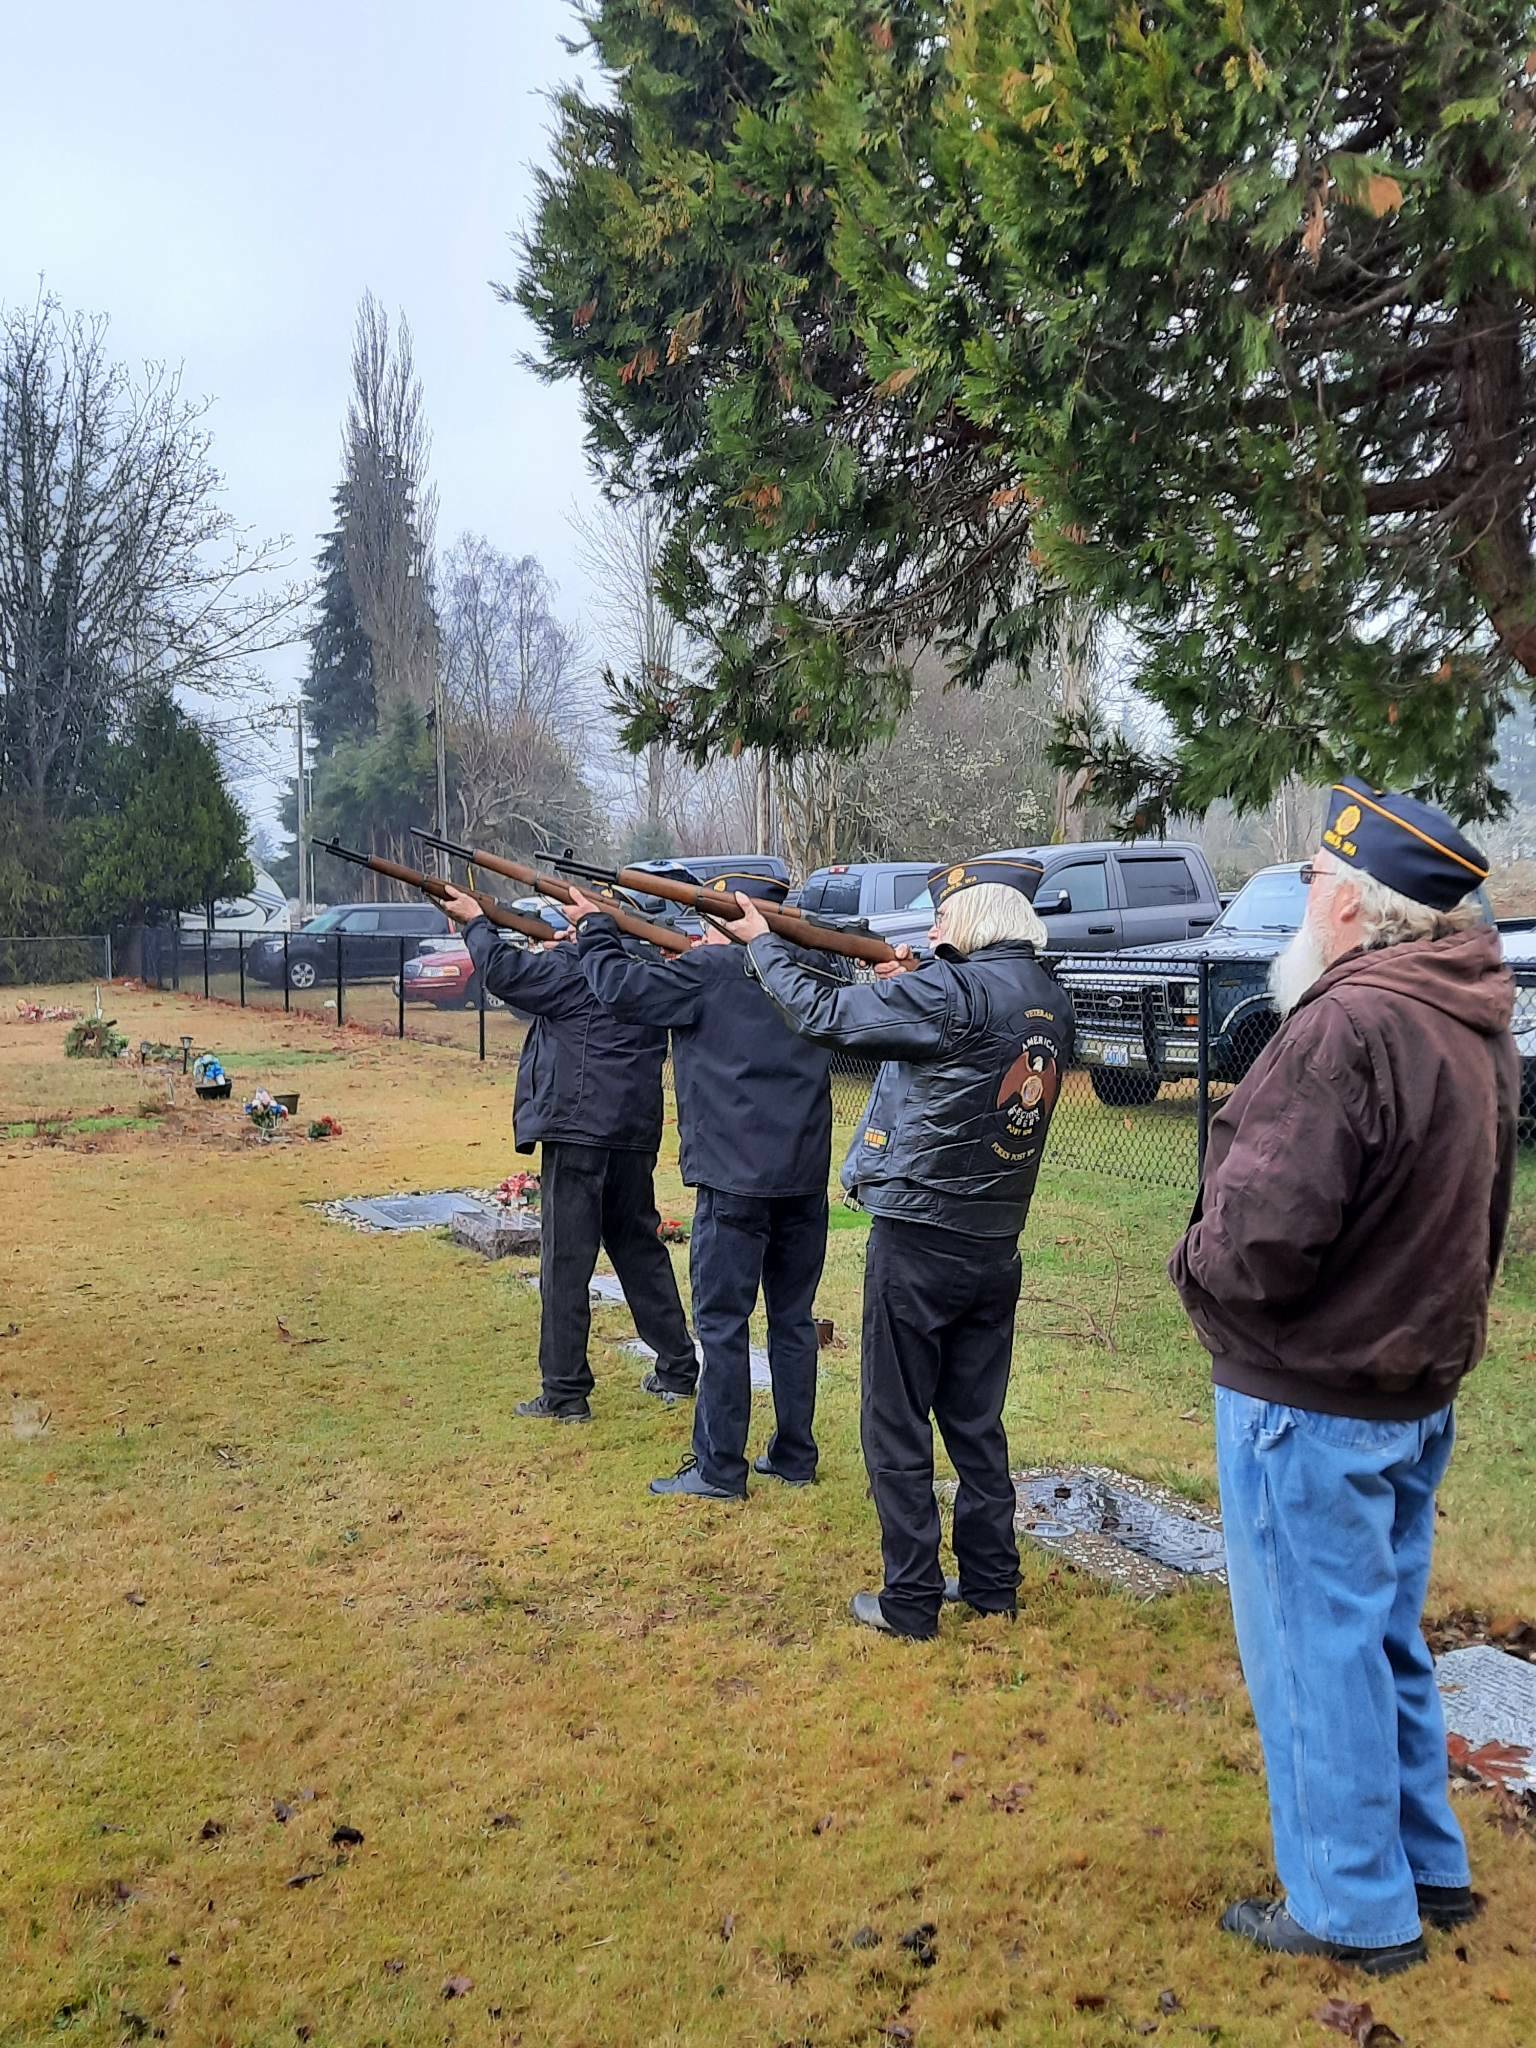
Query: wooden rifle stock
{"x":659,"y":935}
{"x":788,"y":924}
{"x":431,"y":885}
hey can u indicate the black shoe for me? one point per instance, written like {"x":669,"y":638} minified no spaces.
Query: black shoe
{"x":688,"y":1479}
{"x":953,"y":1597}
{"x":1448,"y":1906}
{"x":772,"y":1472}
{"x":542,"y":1409}
{"x":1267,"y":1924}
{"x":654,"y":1384}
{"x":866,"y":1609}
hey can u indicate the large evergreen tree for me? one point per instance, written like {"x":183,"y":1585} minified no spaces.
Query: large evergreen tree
{"x":1217,"y":317}
{"x":339,"y":688}
{"x":167,"y":835}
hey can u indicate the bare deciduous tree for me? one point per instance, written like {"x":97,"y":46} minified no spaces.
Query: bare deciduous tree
{"x":391,"y":509}
{"x":121,"y":575}
{"x":519,"y":715}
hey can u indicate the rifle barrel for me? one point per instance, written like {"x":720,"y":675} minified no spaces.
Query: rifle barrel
{"x":431,"y":885}
{"x":659,"y":935}
{"x":719,"y":903}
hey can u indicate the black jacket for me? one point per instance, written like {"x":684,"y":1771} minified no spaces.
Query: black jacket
{"x":974,"y":1051}
{"x":583,"y":1077}
{"x":754,"y":1108}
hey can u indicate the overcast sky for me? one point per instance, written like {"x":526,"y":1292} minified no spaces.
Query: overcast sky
{"x":225,"y":179}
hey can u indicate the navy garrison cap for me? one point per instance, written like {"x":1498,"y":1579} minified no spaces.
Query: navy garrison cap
{"x":1007,"y":871}
{"x":766,"y":888}
{"x":1408,"y":845}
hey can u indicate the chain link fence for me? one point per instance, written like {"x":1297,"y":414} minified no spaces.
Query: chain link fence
{"x":54,"y":963}
{"x":1160,"y":1042}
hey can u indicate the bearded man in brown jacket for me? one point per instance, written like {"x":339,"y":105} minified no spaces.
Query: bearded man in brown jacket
{"x":1338,"y":1268}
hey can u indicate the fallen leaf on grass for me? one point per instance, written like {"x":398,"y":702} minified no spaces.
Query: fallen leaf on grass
{"x":898,"y":2034}
{"x":135,"y":1598}
{"x":346,"y":1838}
{"x":1499,"y":1996}
{"x":11,"y":1329}
{"x":458,"y":1987}
{"x":289,"y":1338}
{"x":1168,"y":2003}
{"x":919,"y":1944}
{"x":1089,"y":2001}
{"x":282,"y":1812}
{"x":1011,"y":1799}
{"x":210,"y":1830}
{"x":866,"y":1937}
{"x":303,"y":1877}
{"x":394,"y":1967}
{"x":1499,"y":1763}
{"x":29,"y":1420}
{"x":824,"y":1826}
{"x":727,"y":1926}
{"x":1356,"y":2023}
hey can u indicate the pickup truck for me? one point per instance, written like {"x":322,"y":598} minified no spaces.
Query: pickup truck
{"x":1098,"y":896}
{"x":865,"y":888}
{"x":1138,"y":1018}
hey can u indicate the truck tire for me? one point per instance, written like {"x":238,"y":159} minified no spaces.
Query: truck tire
{"x":1117,"y":1089}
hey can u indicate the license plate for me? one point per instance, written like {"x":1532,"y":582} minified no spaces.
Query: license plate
{"x":1116,"y":1055}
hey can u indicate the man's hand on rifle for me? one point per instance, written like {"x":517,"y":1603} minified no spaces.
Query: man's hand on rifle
{"x":461,"y":908}
{"x":751,"y":924}
{"x":581,"y":905}
{"x":904,"y":963}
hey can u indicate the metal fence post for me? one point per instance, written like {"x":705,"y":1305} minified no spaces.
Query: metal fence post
{"x":341,"y":982}
{"x":400,"y":986}
{"x":240,"y":942}
{"x":1203,"y":1070}
{"x":285,"y":970}
{"x":205,"y":965}
{"x":175,"y":957}
{"x":481,"y":979}
{"x":107,"y":940}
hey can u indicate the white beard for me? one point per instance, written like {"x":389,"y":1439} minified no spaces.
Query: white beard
{"x":1296,"y":969}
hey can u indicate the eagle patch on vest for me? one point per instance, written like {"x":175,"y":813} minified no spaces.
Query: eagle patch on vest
{"x":1026,"y":1096}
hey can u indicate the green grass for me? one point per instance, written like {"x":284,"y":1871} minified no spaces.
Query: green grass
{"x":621,"y":1762}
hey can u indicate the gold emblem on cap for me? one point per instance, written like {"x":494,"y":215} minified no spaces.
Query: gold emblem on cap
{"x":1347,"y":820}
{"x":956,"y":877}
{"x":719,"y":887}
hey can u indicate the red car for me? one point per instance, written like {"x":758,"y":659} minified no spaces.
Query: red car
{"x":443,"y":973}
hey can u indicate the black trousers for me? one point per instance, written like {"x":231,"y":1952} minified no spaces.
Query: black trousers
{"x":937,"y":1347}
{"x":741,"y":1242}
{"x":592,"y":1197}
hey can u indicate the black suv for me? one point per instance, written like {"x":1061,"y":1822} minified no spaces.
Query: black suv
{"x":368,"y":936}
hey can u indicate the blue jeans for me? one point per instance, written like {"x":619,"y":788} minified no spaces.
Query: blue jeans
{"x":738,"y":1244}
{"x":1329,"y":1525}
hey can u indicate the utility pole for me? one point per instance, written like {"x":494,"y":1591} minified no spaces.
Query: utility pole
{"x":440,"y":736}
{"x":303,"y":815}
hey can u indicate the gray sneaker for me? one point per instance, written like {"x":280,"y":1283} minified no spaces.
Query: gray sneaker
{"x":541,"y":1409}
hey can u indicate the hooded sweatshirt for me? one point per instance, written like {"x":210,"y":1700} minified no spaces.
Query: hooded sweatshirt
{"x":1357,"y":1187}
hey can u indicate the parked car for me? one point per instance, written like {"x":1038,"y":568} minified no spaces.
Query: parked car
{"x":367,"y":934}
{"x":861,"y":889}
{"x":1098,"y":896}
{"x":442,"y":972}
{"x":1138,"y":1019}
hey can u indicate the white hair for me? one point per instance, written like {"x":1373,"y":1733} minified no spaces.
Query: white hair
{"x":1389,"y":919}
{"x":986,"y":915}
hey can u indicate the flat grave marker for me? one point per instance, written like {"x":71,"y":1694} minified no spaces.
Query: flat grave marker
{"x":1490,"y":1697}
{"x":1141,"y":1538}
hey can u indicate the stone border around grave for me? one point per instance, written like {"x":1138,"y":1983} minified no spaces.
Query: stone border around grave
{"x":1143,"y":1578}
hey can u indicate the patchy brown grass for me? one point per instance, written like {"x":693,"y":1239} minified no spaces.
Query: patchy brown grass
{"x":619,"y":1763}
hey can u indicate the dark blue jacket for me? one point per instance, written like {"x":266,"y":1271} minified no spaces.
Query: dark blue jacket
{"x":754,"y":1108}
{"x":583,"y":1077}
{"x":974,"y":1051}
